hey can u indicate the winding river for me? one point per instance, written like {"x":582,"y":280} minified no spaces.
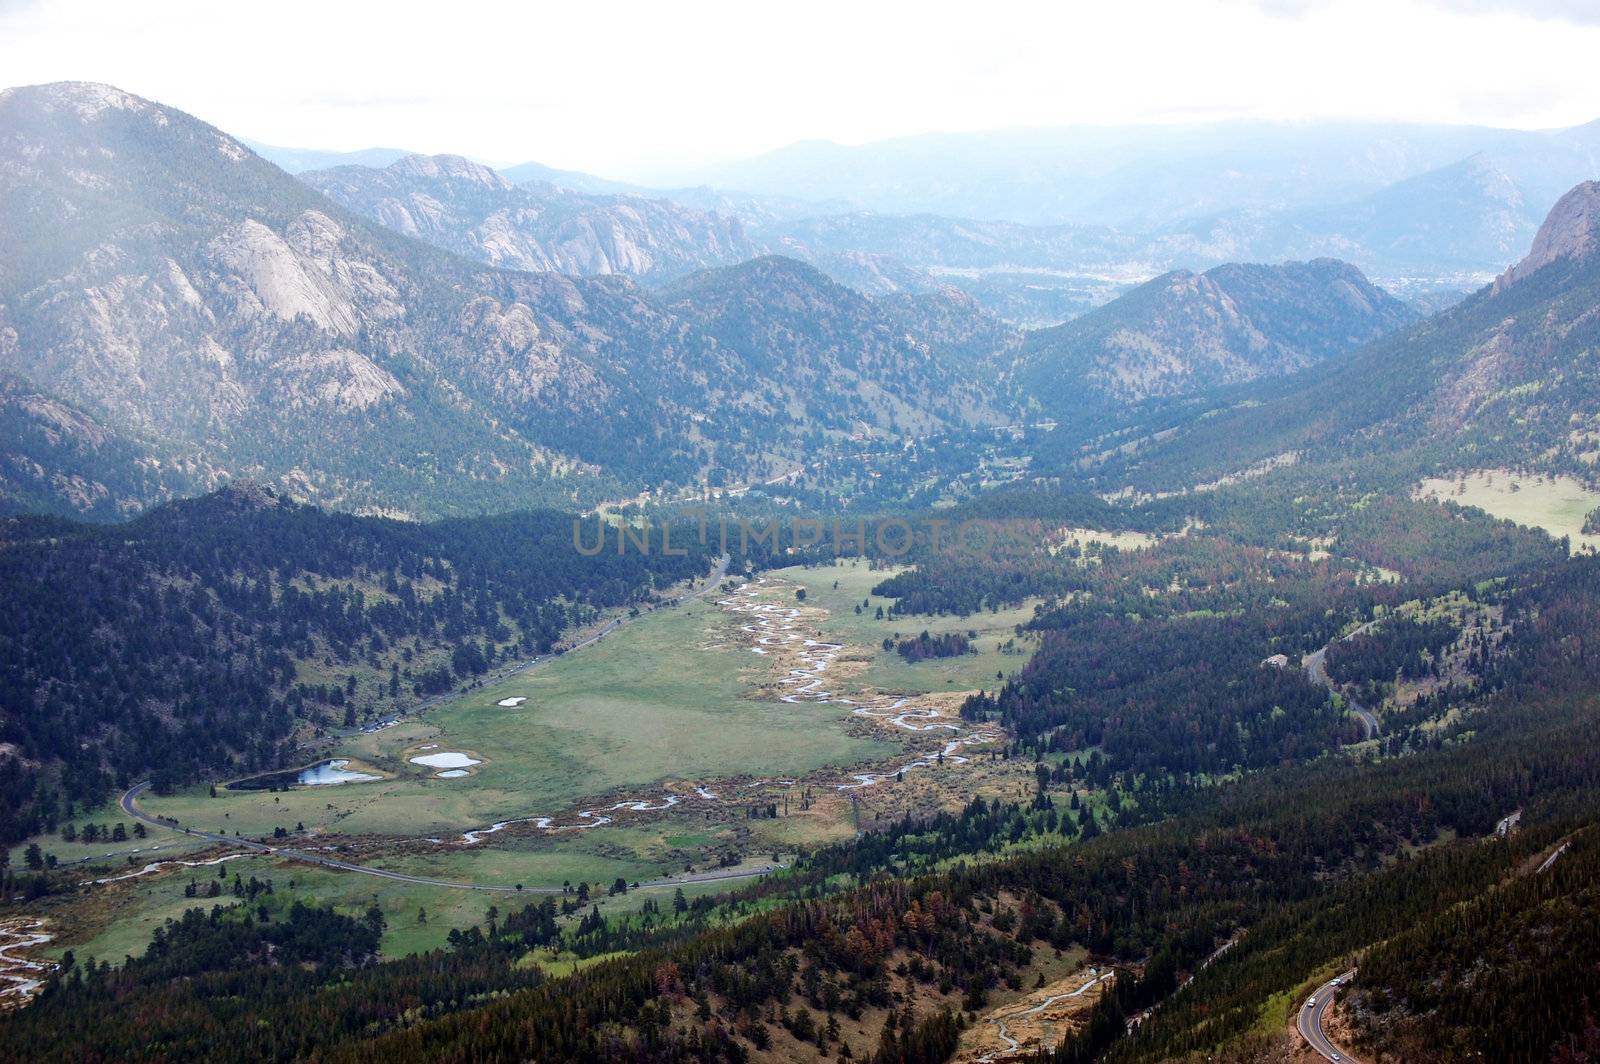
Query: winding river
{"x":21,"y":977}
{"x":775,"y":626}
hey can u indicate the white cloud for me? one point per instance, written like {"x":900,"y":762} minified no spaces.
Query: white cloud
{"x":1580,"y":11}
{"x":632,"y":87}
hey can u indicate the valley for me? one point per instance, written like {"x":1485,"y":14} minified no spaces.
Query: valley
{"x":673,"y":762}
{"x":1115,"y":592}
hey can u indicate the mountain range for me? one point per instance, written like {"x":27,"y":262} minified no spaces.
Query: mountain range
{"x":1040,"y":225}
{"x":182,"y":297}
{"x":297,"y":160}
{"x":1506,"y":379}
{"x":175,"y":312}
{"x":467,"y":208}
{"x":1145,"y":178}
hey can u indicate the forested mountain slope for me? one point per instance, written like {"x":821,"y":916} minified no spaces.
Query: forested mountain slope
{"x":211,"y":635}
{"x":55,"y":458}
{"x":837,"y":359}
{"x":1508,"y":377}
{"x":1186,"y":332}
{"x":1296,"y":868}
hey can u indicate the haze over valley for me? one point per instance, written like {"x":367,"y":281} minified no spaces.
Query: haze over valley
{"x":677,"y":534}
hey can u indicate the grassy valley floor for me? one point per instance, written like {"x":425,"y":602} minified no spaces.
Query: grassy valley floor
{"x":673,"y":703}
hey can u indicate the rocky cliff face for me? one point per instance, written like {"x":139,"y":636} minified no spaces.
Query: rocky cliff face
{"x":470,"y":209}
{"x":182,"y":292}
{"x":1570,"y":232}
{"x":177,"y":288}
{"x":1184,"y":332}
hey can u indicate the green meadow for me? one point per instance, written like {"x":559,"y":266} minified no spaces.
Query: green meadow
{"x":1557,"y":504}
{"x":886,"y":670}
{"x":665,"y":698}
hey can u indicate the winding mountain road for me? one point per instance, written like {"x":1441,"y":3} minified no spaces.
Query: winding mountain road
{"x":1317,"y":672}
{"x":1311,"y":1021}
{"x":1012,"y":1045}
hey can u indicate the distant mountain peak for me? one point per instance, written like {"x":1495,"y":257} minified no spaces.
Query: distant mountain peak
{"x":1184,"y":332}
{"x":1570,"y":231}
{"x":449,"y":167}
{"x":784,"y":267}
{"x":88,"y":98}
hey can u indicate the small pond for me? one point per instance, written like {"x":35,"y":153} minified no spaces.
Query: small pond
{"x":335,"y":771}
{"x":446,"y":759}
{"x":323,"y":773}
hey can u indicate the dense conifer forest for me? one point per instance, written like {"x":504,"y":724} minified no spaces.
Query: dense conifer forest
{"x":209,"y":636}
{"x":1300,"y":865}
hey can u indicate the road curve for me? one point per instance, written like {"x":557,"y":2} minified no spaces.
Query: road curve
{"x":1317,"y":672}
{"x":1310,"y":1022}
{"x":130,"y":805}
{"x":1554,"y":857}
{"x":1012,"y":1045}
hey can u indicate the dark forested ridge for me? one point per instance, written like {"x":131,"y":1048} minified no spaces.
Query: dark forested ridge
{"x":178,"y":643}
{"x":1184,"y":332}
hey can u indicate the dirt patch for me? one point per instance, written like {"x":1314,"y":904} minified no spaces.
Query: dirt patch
{"x":1019,"y":1029}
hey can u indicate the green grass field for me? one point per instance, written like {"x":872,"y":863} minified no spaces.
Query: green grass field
{"x":157,"y":844}
{"x":419,"y":918}
{"x":887,"y":670}
{"x":1556,"y":504}
{"x":645,"y":706}
{"x":666,"y":698}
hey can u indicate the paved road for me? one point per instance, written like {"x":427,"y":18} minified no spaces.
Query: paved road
{"x":1553,"y":858}
{"x":130,"y":805}
{"x":1311,"y":1019}
{"x":1317,"y":672}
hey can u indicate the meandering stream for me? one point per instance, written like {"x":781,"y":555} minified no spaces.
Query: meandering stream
{"x":775,"y":626}
{"x":21,"y":977}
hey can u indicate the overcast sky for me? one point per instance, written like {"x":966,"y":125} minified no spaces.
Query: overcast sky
{"x":636,"y":90}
